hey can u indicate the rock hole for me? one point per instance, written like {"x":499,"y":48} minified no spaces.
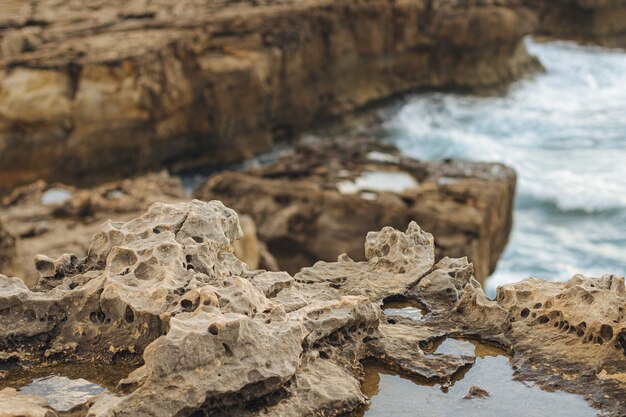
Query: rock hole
{"x":198,"y":239}
{"x":190,"y":267}
{"x":129,"y":315}
{"x":156,"y":231}
{"x":606,"y":332}
{"x":538,"y":305}
{"x":227,"y":349}
{"x":213,"y":329}
{"x":323,"y":355}
{"x":621,"y":340}
{"x":391,"y":321}
{"x":186,"y":305}
{"x":525,"y":312}
{"x":543,"y":319}
{"x":385,"y":249}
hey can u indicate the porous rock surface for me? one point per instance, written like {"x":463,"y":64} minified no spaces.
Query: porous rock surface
{"x":55,"y":219}
{"x":214,"y":338}
{"x":92,"y":89}
{"x":309,"y":205}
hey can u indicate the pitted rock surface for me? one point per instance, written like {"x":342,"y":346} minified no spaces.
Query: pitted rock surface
{"x":212,"y":337}
{"x":57,"y":219}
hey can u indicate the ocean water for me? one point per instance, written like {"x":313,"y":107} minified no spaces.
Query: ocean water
{"x":564,"y":132}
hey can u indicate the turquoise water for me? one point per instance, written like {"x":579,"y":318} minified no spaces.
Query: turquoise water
{"x":565,"y":134}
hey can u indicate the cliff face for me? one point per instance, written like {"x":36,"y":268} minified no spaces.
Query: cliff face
{"x":601,"y":22}
{"x":92,"y":89}
{"x":208,"y":336}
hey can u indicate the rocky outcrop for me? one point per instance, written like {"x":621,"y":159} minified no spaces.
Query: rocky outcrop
{"x":91,"y":89}
{"x":314,"y":203}
{"x":212,"y":337}
{"x":601,"y":22}
{"x":56,"y":218}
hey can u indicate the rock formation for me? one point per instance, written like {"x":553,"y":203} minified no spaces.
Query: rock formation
{"x":92,"y":89}
{"x":601,"y":22}
{"x":212,"y":337}
{"x":314,"y":203}
{"x":55,"y":219}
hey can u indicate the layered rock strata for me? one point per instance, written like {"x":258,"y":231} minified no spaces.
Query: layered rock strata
{"x":91,"y":89}
{"x":56,"y":218}
{"x":212,"y":337}
{"x":315,"y":202}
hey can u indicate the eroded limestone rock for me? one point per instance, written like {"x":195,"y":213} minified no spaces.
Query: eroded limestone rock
{"x":320,"y":200}
{"x":57,"y":219}
{"x":209,"y":336}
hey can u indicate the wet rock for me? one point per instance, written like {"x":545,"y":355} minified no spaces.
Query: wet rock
{"x":58,"y":220}
{"x":92,"y":90}
{"x":476,"y":392}
{"x":320,"y":200}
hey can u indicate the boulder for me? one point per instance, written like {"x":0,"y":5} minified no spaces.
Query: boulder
{"x":91,"y":90}
{"x":314,"y":203}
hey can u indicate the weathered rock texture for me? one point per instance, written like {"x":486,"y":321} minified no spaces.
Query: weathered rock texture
{"x":91,"y":89}
{"x":308,"y":208}
{"x":55,"y":219}
{"x":218,"y":339}
{"x":602,"y":22}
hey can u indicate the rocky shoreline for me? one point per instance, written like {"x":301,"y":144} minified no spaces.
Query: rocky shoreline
{"x":208,"y":336}
{"x":99,"y":91}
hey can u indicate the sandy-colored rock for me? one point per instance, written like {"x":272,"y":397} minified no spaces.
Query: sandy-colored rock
{"x":318,"y":202}
{"x":57,"y":219}
{"x":213,"y":337}
{"x":14,"y":404}
{"x":91,"y":90}
{"x":166,"y":287}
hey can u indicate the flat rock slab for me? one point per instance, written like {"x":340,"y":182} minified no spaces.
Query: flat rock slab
{"x":316,"y":202}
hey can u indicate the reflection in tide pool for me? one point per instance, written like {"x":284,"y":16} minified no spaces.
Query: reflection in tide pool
{"x":393,"y":395}
{"x":406,"y":309}
{"x":565,"y":134}
{"x":65,"y":386}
